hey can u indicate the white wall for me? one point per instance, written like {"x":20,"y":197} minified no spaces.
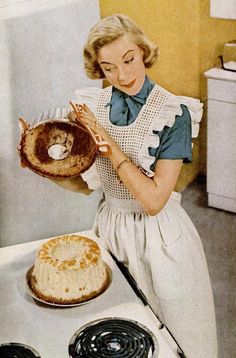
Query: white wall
{"x":40,"y":68}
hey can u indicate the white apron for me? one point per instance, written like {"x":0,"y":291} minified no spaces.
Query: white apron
{"x":163,"y":252}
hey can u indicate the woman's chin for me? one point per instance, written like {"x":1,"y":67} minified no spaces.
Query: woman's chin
{"x":133,"y":89}
{"x":130,"y":91}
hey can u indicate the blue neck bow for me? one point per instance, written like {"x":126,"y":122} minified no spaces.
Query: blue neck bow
{"x":124,"y":109}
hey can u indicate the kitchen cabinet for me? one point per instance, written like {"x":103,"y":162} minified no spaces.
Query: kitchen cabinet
{"x":221,"y":139}
{"x":223,"y":9}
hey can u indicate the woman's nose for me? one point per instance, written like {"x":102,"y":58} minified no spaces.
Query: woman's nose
{"x":122,"y":75}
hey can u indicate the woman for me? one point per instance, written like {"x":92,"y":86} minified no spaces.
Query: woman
{"x":140,"y":218}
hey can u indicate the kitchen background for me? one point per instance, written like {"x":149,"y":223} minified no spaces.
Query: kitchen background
{"x":40,"y":68}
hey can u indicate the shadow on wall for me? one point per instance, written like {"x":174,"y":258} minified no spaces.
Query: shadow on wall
{"x":41,"y":68}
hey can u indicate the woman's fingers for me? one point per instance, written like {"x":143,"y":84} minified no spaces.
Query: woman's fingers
{"x":72,"y":116}
{"x":87,"y":116}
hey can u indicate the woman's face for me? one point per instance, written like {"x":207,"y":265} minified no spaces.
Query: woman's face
{"x":122,"y":64}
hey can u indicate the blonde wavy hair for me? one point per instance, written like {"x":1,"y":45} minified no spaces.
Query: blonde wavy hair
{"x":109,"y":29}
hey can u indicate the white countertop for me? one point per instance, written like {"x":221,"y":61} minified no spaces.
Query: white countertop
{"x":220,"y":74}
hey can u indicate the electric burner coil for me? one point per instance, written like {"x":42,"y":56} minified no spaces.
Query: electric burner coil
{"x":113,"y":337}
{"x":17,"y":350}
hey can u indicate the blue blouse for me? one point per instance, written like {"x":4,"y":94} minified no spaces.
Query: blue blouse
{"x":175,"y":141}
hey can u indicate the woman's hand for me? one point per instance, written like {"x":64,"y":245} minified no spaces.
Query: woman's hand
{"x":82,"y":115}
{"x":87,"y":116}
{"x":107,"y":146}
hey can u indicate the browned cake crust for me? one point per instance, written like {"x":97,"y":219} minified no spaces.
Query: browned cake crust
{"x":91,"y":256}
{"x":36,"y":141}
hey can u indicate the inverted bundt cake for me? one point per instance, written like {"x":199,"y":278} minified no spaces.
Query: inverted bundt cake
{"x":69,"y":269}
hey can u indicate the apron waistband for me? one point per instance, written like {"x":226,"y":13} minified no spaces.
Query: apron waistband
{"x":132,"y":204}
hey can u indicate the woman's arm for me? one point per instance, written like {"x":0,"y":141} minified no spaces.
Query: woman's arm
{"x":152,"y":193}
{"x":73,"y":184}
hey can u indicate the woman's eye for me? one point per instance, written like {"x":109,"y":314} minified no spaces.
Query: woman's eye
{"x":109,"y":69}
{"x":129,"y":60}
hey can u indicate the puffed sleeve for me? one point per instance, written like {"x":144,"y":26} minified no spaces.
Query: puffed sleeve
{"x":170,"y":135}
{"x":175,"y":141}
{"x":88,"y":96}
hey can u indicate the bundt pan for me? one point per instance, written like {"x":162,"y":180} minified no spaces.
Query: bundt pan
{"x":59,"y":148}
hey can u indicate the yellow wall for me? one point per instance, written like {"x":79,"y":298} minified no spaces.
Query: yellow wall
{"x":189,"y":42}
{"x":174,"y":30}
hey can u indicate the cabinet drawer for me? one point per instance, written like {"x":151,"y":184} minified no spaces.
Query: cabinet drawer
{"x":222,"y":90}
{"x":221,"y":149}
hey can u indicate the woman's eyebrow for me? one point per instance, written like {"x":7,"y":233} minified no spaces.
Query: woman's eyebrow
{"x":127,"y":53}
{"x":109,"y":63}
{"x":105,"y":63}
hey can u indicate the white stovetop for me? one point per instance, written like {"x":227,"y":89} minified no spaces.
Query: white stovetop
{"x":49,"y":329}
